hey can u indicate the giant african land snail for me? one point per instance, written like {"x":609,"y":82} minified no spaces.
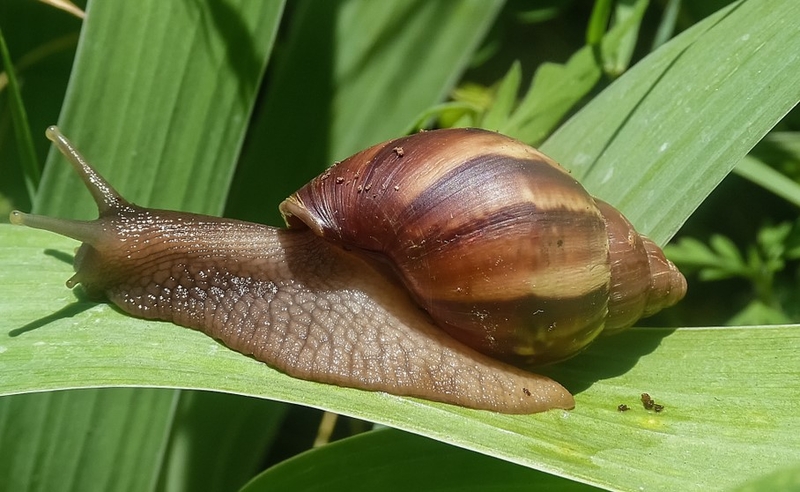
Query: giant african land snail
{"x":505,"y":257}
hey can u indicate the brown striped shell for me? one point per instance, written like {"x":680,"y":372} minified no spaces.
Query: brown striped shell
{"x":499,"y":244}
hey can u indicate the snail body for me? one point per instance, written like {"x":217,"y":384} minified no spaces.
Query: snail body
{"x":509,"y":258}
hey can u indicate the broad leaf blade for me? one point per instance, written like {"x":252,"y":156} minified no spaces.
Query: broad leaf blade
{"x":557,"y":88}
{"x":162,"y":120}
{"x":83,"y":440}
{"x":390,"y":460}
{"x":663,"y":136}
{"x":218,"y":440}
{"x":729,"y":393}
{"x":30,"y":163}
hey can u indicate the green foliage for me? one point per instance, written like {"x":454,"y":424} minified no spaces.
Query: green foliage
{"x":187,"y":105}
{"x":760,"y":264}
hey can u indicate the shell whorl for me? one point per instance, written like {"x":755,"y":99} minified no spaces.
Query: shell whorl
{"x":502,"y":247}
{"x":643,"y":281}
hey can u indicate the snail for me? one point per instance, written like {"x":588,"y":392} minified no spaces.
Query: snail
{"x":436,"y":265}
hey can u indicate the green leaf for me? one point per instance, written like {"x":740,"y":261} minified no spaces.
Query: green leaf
{"x":683,"y":117}
{"x":200,"y":70}
{"x":390,"y":460}
{"x":83,"y":440}
{"x":617,"y":56}
{"x":598,"y":22}
{"x":505,"y":98}
{"x":666,"y":26}
{"x":556,"y":88}
{"x":20,"y":119}
{"x":691,"y":252}
{"x":786,"y":480}
{"x":757,"y":313}
{"x":727,"y":250}
{"x":729,"y":393}
{"x":218,"y":440}
{"x":761,"y":174}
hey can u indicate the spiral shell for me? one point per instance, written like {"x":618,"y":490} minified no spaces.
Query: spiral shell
{"x":499,"y":244}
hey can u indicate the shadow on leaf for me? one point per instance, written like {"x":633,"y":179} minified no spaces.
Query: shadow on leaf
{"x":82,"y":303}
{"x":66,"y":312}
{"x":60,"y":255}
{"x":607,"y":358}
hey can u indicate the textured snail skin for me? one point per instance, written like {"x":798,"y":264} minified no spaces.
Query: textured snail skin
{"x":286,"y":297}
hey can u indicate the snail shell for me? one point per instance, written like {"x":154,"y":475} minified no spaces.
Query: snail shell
{"x":494,"y":241}
{"x":505,"y":250}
